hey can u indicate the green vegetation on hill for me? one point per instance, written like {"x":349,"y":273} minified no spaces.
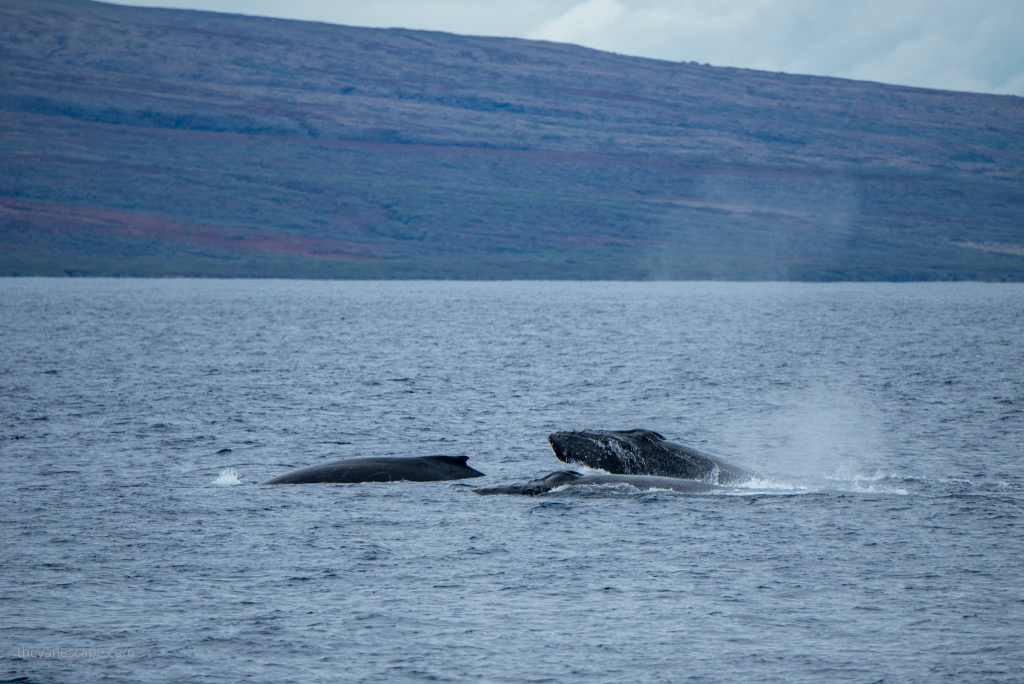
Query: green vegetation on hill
{"x":146,"y":142}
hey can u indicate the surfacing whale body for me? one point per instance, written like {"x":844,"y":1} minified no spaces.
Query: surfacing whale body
{"x":642,"y":452}
{"x":410,"y":469}
{"x":570,"y":477}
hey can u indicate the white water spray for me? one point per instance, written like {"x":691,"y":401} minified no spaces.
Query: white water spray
{"x":228,"y":477}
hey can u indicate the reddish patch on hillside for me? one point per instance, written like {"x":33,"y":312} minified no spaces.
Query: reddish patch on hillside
{"x":66,"y":219}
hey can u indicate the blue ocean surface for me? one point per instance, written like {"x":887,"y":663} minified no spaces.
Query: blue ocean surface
{"x":881,"y":541}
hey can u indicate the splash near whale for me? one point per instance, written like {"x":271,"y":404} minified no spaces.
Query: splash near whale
{"x":643,"y":452}
{"x":409,"y":469}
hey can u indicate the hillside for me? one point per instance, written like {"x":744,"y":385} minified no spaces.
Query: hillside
{"x":162,"y":142}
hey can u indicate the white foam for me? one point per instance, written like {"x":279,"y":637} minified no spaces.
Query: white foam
{"x":765,"y":483}
{"x":584,"y":469}
{"x":846,"y":477}
{"x":849,"y":479}
{"x":228,"y":477}
{"x":591,"y":487}
{"x":874,"y":489}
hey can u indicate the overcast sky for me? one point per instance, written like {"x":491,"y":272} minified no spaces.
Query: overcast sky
{"x":975,"y":45}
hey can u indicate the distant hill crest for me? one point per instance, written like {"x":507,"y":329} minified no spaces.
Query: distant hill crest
{"x":147,"y":142}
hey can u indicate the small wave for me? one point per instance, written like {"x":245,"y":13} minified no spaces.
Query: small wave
{"x":228,"y":477}
{"x":848,"y":474}
{"x":766,"y":483}
{"x":874,"y":489}
{"x":625,"y":490}
{"x":849,"y":479}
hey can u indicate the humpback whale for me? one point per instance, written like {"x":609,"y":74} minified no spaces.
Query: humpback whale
{"x":571,"y":477}
{"x":642,"y":452}
{"x":411,"y":469}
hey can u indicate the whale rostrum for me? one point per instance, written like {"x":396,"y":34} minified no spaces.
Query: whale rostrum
{"x":642,"y":452}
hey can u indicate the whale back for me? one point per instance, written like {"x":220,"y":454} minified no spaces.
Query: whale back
{"x":534,"y":487}
{"x":642,"y":452}
{"x":388,"y":469}
{"x":570,"y":477}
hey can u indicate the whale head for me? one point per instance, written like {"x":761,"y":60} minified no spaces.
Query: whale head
{"x":606,"y":450}
{"x":642,"y":452}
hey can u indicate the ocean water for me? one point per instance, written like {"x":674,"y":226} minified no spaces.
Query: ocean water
{"x":881,"y":542}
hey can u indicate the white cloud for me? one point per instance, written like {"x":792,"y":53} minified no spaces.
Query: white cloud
{"x":955,"y":44}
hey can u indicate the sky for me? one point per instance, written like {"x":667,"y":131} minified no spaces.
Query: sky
{"x":971,"y":45}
